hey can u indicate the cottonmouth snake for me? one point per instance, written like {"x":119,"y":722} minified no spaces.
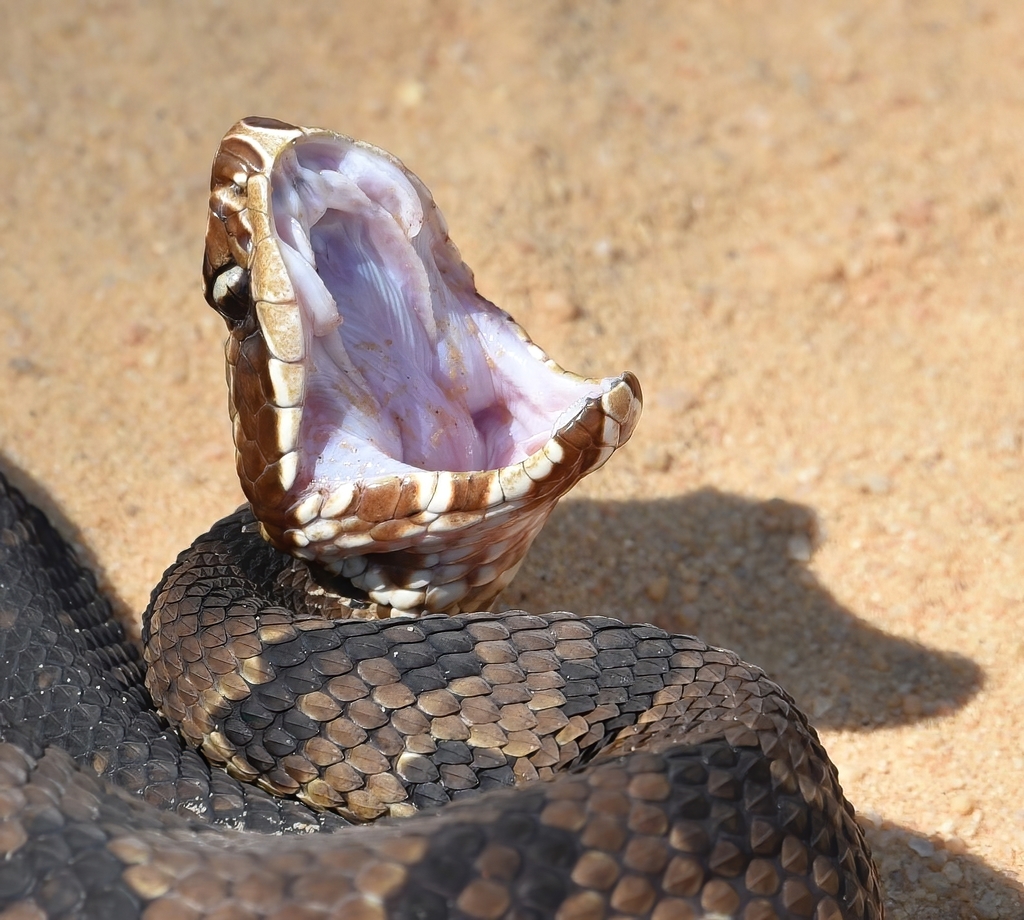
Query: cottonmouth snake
{"x":596,"y":769}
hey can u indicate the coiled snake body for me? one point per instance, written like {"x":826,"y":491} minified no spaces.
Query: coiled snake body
{"x":400,"y":442}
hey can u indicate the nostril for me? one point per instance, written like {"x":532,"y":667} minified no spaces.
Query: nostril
{"x":229,"y":293}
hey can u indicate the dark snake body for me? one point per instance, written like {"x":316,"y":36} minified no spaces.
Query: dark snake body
{"x":684,"y":783}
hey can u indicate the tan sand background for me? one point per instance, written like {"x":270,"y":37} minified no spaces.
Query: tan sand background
{"x":799,"y":223}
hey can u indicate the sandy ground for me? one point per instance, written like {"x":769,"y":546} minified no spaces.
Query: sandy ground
{"x":799,"y":223}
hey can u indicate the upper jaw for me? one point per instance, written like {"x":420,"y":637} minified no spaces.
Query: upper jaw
{"x":388,"y":420}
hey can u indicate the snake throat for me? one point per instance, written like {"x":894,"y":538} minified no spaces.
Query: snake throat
{"x":390,"y":423}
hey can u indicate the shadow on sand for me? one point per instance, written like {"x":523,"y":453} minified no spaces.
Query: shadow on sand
{"x":734,"y":572}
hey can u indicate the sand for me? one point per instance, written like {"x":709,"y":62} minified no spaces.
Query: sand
{"x":799,"y":223}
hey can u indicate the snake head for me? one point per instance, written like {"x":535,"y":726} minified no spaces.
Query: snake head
{"x":391,"y":425}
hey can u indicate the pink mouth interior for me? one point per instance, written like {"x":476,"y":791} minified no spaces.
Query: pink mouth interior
{"x":407,"y":366}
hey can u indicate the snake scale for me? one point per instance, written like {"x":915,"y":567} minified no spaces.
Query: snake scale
{"x":327,"y":648}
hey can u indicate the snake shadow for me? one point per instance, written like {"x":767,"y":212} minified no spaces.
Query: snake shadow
{"x":734,"y":571}
{"x":39,"y":496}
{"x":933,"y":878}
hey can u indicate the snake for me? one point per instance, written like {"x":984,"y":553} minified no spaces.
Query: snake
{"x":327,"y":719}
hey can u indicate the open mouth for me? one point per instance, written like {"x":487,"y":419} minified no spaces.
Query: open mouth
{"x":388,"y":419}
{"x":408,"y":367}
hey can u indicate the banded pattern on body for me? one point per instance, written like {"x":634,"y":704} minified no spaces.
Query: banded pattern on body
{"x":708,"y":797}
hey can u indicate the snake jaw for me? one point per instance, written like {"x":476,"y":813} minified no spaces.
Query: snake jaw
{"x":388,"y":420}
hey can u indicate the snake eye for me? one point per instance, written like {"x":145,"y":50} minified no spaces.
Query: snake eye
{"x":229,"y":293}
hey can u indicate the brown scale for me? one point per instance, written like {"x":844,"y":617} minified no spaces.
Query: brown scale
{"x":631,"y":836}
{"x":705,"y":789}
